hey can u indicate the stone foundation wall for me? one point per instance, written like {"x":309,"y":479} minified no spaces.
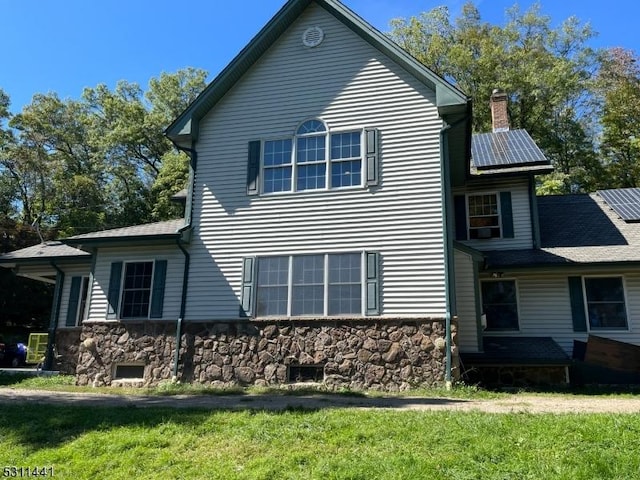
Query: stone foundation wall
{"x":68,"y":348}
{"x":357,"y":354}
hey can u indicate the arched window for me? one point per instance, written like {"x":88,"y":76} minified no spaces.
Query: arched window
{"x":315,"y":158}
{"x":311,"y":155}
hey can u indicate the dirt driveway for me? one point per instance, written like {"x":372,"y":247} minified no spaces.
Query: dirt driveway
{"x":511,"y":404}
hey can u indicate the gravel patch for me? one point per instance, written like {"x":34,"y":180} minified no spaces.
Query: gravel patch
{"x":517,"y":403}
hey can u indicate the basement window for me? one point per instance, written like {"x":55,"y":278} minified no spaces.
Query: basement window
{"x":127,"y":372}
{"x":306,"y":373}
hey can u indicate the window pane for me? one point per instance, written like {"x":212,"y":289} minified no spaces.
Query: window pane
{"x":310,"y":149}
{"x":345,"y":299}
{"x":277,"y":179}
{"x":277,"y":152}
{"x":346,"y":174}
{"x":345,"y":145}
{"x":273,"y":278}
{"x":311,"y":177}
{"x":499,"y":302}
{"x":136,"y":290}
{"x":605,"y":303}
{"x":345,"y":287}
{"x":308,"y":285}
{"x":311,"y":126}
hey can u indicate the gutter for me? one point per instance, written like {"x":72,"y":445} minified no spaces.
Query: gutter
{"x":449,"y":267}
{"x":193,"y":155}
{"x":55,"y":312}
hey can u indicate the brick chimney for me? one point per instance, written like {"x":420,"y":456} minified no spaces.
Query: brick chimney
{"x":499,"y":114}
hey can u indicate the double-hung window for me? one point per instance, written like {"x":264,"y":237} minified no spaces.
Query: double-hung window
{"x":315,"y":158}
{"x":316,"y":285}
{"x":136,"y":289}
{"x":500,"y":304}
{"x":605,"y":303}
{"x":484,"y":216}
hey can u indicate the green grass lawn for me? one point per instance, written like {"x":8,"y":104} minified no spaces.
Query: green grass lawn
{"x":128,"y":443}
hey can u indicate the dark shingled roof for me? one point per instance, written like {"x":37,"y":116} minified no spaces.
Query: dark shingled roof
{"x":44,"y":251}
{"x":575,"y":229}
{"x":168,"y":228}
{"x":518,"y":351}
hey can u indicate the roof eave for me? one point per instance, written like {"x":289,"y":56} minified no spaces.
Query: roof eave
{"x":134,"y":239}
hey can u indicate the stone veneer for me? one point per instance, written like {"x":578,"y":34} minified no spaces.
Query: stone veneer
{"x":358,"y":354}
{"x":68,"y":348}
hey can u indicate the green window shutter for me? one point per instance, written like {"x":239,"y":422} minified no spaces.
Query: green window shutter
{"x":506,"y":212}
{"x":113,"y":297}
{"x":157,"y":292}
{"x":253,"y":168}
{"x":372,"y":156}
{"x":373,"y":283}
{"x":74,"y":301}
{"x":248,"y":276}
{"x":576,"y":297}
{"x":460,"y":210}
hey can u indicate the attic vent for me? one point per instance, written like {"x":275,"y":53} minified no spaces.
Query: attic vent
{"x":312,"y":37}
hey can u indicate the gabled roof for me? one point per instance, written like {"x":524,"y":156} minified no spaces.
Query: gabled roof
{"x":184,"y":129}
{"x":575,"y":230}
{"x":45,"y":252}
{"x":156,"y":232}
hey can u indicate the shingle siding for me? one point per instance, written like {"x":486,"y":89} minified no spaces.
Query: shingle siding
{"x":348,"y":84}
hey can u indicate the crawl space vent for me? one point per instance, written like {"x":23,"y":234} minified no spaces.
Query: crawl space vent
{"x":312,"y":37}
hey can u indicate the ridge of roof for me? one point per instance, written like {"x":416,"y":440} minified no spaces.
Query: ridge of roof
{"x":184,"y":129}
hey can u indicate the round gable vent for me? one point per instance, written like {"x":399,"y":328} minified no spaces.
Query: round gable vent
{"x":312,"y":37}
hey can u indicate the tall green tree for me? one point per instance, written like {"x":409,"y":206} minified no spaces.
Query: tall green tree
{"x":544,"y":70}
{"x":619,"y":86}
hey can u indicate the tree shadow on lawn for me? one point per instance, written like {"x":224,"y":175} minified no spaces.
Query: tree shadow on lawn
{"x":38,"y":425}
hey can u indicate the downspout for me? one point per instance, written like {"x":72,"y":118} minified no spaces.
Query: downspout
{"x":53,"y":321}
{"x":187,"y":258}
{"x":183,"y":305}
{"x":449,"y":272}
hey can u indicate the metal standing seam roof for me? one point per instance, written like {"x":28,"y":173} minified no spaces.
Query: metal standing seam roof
{"x":512,"y":148}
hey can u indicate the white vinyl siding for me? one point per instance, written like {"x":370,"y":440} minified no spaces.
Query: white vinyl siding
{"x":349,"y":85}
{"x":521,"y":211}
{"x":173,"y":284}
{"x":467,"y":338}
{"x":544,"y":307}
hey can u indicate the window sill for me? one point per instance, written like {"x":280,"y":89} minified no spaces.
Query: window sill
{"x":312,"y":191}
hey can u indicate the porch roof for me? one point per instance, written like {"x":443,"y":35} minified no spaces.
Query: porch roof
{"x":523,"y":351}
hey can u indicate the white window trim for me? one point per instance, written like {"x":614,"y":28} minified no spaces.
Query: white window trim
{"x":328,"y":162}
{"x":119,"y":316}
{"x":468,"y":215}
{"x":586,"y":305}
{"x":517,"y":287}
{"x":363,"y":283}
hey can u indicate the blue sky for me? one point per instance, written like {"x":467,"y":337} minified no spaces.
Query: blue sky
{"x":66,"y":45}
